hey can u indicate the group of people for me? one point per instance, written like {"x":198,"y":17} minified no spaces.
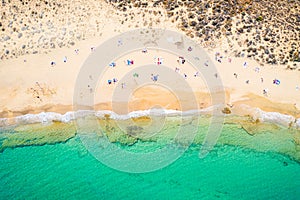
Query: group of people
{"x":154,"y":77}
{"x":219,"y":57}
{"x":65,"y":58}
{"x":113,"y":80}
{"x":245,"y":65}
{"x":53,"y":63}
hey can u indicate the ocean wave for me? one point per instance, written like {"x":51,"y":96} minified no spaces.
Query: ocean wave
{"x":43,"y":117}
{"x":48,"y":117}
{"x":297,"y":123}
{"x":276,"y":118}
{"x":270,"y":117}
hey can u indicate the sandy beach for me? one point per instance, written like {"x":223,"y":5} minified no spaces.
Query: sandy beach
{"x":33,"y":86}
{"x":40,"y":78}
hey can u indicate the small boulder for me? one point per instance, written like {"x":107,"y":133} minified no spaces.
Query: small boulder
{"x":226,"y":110}
{"x":5,"y":38}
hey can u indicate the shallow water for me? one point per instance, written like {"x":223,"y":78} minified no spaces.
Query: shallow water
{"x":68,"y":171}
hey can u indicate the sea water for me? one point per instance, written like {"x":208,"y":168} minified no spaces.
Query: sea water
{"x":68,"y":171}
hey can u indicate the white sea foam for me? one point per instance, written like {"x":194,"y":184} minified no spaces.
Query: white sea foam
{"x":297,"y":123}
{"x":270,"y":117}
{"x":35,"y":118}
{"x":275,"y":117}
{"x":47,"y":117}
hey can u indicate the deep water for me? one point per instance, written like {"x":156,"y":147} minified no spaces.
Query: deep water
{"x":69,"y":171}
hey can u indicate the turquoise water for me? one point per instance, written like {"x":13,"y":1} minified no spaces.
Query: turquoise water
{"x":68,"y":171}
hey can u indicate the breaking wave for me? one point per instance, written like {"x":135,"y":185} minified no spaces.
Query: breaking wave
{"x":48,"y":117}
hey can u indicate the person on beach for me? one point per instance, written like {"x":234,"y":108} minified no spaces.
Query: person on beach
{"x":120,"y":42}
{"x":129,"y":62}
{"x":206,"y":63}
{"x":123,"y":85}
{"x":196,"y":74}
{"x":181,"y":60}
{"x":154,"y":78}
{"x":217,"y":54}
{"x":262,"y":79}
{"x":276,"y":81}
{"x":53,"y":64}
{"x":158,"y":60}
{"x":265,"y":92}
{"x":185,"y":75}
{"x":247,"y":81}
{"x":144,"y":50}
{"x":112,"y":64}
{"x":230,"y":105}
{"x":177,"y":69}
{"x":115,"y":80}
{"x":39,"y":98}
{"x":235,"y":75}
{"x":65,"y":59}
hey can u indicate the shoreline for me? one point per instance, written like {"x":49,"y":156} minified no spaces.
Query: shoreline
{"x":255,"y":115}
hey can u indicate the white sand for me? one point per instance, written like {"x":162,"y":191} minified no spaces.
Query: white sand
{"x":18,"y":80}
